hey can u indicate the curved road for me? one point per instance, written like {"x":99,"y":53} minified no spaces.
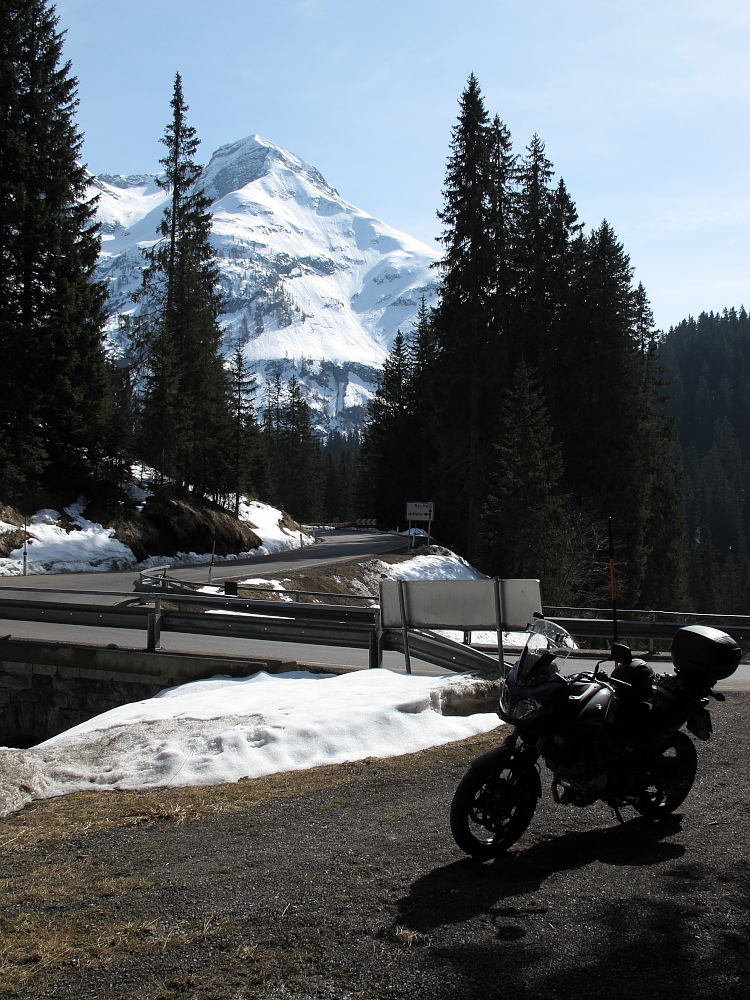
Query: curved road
{"x":115,"y":588}
{"x":330,"y":547}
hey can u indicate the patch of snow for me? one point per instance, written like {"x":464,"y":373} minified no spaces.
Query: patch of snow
{"x":223,"y":729}
{"x":83,"y":546}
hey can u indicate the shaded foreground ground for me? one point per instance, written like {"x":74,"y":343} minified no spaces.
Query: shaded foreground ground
{"x":343,"y":882}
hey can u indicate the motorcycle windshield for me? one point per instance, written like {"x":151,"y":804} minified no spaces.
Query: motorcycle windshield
{"x":545,"y":646}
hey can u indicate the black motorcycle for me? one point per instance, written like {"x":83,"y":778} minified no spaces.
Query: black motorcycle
{"x":614,"y":738}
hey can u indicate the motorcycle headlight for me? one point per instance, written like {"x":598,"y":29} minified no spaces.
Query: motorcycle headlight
{"x":504,"y":698}
{"x":525,"y":708}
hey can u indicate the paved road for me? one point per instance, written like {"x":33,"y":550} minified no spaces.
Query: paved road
{"x":331,"y":546}
{"x":113,"y":588}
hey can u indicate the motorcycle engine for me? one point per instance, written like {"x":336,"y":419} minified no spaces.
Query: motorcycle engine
{"x":580,"y":783}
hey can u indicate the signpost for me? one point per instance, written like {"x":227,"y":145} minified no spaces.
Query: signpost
{"x":420,"y":511}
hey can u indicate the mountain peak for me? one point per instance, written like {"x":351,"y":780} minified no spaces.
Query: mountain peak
{"x":311,"y":284}
{"x":239,"y":163}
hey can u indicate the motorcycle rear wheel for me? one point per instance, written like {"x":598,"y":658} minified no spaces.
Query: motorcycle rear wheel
{"x":492,"y":808}
{"x":668,"y":777}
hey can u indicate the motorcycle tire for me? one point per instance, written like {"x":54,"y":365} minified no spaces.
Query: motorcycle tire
{"x":491,"y":808}
{"x":667,"y":778}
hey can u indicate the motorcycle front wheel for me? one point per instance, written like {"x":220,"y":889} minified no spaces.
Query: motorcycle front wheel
{"x":667,"y":778}
{"x":491,"y":808}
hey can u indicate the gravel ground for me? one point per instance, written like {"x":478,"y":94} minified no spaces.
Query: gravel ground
{"x":351,"y":888}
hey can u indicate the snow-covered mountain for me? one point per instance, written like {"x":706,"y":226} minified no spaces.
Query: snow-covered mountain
{"x":313,"y":284}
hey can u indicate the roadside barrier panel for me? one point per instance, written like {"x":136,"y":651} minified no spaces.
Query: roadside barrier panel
{"x":466,"y":605}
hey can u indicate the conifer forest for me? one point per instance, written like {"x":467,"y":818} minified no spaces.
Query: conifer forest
{"x":533,"y":404}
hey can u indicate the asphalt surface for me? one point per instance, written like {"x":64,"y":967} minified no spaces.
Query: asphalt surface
{"x":331,"y":546}
{"x":115,"y":588}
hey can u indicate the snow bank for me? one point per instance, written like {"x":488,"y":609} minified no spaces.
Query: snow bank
{"x":223,"y":729}
{"x":77,"y":545}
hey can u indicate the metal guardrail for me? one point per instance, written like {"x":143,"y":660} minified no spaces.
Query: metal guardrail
{"x":278,"y":621}
{"x":663,"y":627}
{"x":155,"y":581}
{"x":318,"y":624}
{"x":440,"y":651}
{"x":323,"y":624}
{"x":58,"y":613}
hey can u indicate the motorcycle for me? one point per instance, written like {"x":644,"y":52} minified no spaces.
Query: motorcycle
{"x":615,"y":738}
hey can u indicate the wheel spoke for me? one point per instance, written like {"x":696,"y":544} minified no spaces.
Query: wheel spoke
{"x":667,"y":779}
{"x":491,"y":809}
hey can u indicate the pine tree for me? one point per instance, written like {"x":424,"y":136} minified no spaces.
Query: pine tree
{"x":299,"y":475}
{"x":525,"y":516}
{"x":389,"y":450}
{"x":502,"y":221}
{"x":466,"y":354}
{"x":341,"y":458}
{"x":664,"y":583}
{"x":534,"y":253}
{"x":250,"y":459}
{"x":53,"y":381}
{"x":420,"y":389}
{"x":707,"y":368}
{"x":187,"y":417}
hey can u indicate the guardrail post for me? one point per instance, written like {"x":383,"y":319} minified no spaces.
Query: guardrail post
{"x":376,"y":643}
{"x":373,"y":651}
{"x":404,"y":627}
{"x":651,"y":642}
{"x":153,"y":628}
{"x":499,"y":624}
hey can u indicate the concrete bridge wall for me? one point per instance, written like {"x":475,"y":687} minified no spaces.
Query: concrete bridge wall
{"x":47,"y":687}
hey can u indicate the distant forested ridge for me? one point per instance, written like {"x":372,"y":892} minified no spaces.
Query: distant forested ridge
{"x":706,"y":364}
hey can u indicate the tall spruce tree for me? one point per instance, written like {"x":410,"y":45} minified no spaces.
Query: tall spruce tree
{"x":389,"y":450}
{"x":707,"y":370}
{"x":466,"y":354}
{"x":297,"y":462}
{"x":533,"y":251}
{"x":249,"y":456}
{"x":420,"y":362}
{"x":186,"y":430}
{"x":525,"y":514}
{"x":523,"y":286}
{"x":503,"y":211}
{"x":53,"y":379}
{"x":341,"y":457}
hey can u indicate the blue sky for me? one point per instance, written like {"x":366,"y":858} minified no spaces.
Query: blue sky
{"x":643,"y":107}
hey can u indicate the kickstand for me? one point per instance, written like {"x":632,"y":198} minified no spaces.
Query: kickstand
{"x":616,"y":811}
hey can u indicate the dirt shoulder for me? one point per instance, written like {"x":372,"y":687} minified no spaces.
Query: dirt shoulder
{"x":343,"y":882}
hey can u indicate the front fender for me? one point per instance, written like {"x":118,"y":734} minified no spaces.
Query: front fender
{"x":508,"y":755}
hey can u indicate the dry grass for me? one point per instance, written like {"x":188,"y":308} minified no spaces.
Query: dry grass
{"x":76,"y":883}
{"x":249,"y":972}
{"x":66,"y":907}
{"x":72,"y":816}
{"x":37,"y":947}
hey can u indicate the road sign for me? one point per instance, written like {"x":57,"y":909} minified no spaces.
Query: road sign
{"x":420,"y":511}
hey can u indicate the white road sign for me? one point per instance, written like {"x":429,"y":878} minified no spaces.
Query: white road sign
{"x":420,"y":511}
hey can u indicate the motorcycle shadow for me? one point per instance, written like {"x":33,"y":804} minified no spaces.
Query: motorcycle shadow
{"x":467,"y":888}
